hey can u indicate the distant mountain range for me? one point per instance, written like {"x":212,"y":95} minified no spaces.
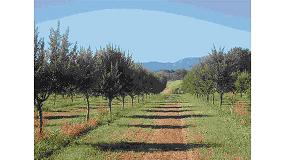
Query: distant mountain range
{"x":185,"y":63}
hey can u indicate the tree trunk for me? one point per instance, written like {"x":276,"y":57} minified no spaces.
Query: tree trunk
{"x":132,"y":101}
{"x":213,"y":98}
{"x":110,"y":105}
{"x":221,"y":98}
{"x":88,"y":109}
{"x":72,"y":98}
{"x":123,"y":97}
{"x":207,"y":98}
{"x":54,"y":99}
{"x":240,"y":94}
{"x":138,"y":99}
{"x":40,"y":117}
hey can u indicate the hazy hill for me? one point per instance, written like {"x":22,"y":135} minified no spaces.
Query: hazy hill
{"x":185,"y":63}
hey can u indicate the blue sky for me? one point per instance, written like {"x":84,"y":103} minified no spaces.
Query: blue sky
{"x":151,"y":30}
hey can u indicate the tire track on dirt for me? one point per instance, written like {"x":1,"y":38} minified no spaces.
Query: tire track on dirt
{"x":169,"y":139}
{"x":173,"y":139}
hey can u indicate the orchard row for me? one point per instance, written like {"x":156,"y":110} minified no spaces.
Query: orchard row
{"x":220,"y":72}
{"x":65,"y":69}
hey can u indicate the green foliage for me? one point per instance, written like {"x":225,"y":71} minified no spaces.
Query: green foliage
{"x":174,"y":86}
{"x":111,"y":63}
{"x":109,"y":72}
{"x":242,"y":83}
{"x":217,"y":73}
{"x":221,"y":127}
{"x":42,"y":77}
{"x":87,"y":73}
{"x":218,"y":126}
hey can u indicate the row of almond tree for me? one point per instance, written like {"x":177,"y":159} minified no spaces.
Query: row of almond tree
{"x":64,"y":69}
{"x":220,"y":72}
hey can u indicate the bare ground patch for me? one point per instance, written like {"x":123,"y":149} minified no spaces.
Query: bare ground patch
{"x":168,"y":140}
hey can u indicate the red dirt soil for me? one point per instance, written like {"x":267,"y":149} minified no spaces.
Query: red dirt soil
{"x":176,"y":134}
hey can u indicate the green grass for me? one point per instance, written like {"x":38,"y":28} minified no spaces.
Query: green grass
{"x":81,"y":147}
{"x":173,"y":87}
{"x":221,"y":126}
{"x":174,"y":84}
{"x":57,"y":140}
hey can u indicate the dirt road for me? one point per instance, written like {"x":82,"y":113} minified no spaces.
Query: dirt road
{"x":169,"y":139}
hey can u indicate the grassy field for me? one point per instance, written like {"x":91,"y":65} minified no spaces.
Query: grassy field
{"x":230,"y":130}
{"x":172,"y":87}
{"x":207,"y":131}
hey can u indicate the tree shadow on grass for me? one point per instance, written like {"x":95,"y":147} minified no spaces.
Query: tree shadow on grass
{"x":62,"y":116}
{"x":166,"y":111}
{"x":170,"y":107}
{"x":56,"y":111}
{"x":64,"y":144}
{"x":97,"y":107}
{"x":158,"y":126}
{"x":169,"y":117}
{"x":53,"y":124}
{"x":148,"y":147}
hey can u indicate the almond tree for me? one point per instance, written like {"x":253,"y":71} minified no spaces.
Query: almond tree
{"x":206,"y":76}
{"x":110,"y":60}
{"x":56,"y":65}
{"x":222,"y":69}
{"x":242,"y":83}
{"x":66,"y":76}
{"x":88,"y":76}
{"x":139,"y":81}
{"x":134,"y":87}
{"x":42,"y":76}
{"x":71,"y":89}
{"x":240,"y":59}
{"x":126,"y":78}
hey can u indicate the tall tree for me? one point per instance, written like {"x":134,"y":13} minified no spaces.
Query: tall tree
{"x":221,"y":68}
{"x":240,"y":59}
{"x":72,"y":69}
{"x":56,"y":65}
{"x":110,"y":61}
{"x":242,"y":84}
{"x":88,"y":76}
{"x":125,"y":77}
{"x":135,"y":83}
{"x":42,"y":76}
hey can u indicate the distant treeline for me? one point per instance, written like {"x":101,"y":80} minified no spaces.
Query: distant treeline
{"x":172,"y":75}
{"x":220,"y":72}
{"x":66,"y":70}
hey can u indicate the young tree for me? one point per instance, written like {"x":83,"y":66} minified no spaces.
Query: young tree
{"x":57,"y":66}
{"x":158,"y":84}
{"x":141,"y":82}
{"x":42,"y":76}
{"x":125,"y":77}
{"x":221,"y":68}
{"x":110,"y":60}
{"x":135,"y":83}
{"x":180,"y":74}
{"x":242,"y":84}
{"x":240,"y":59}
{"x":72,"y":69}
{"x":88,"y":76}
{"x":59,"y":59}
{"x":206,"y":78}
